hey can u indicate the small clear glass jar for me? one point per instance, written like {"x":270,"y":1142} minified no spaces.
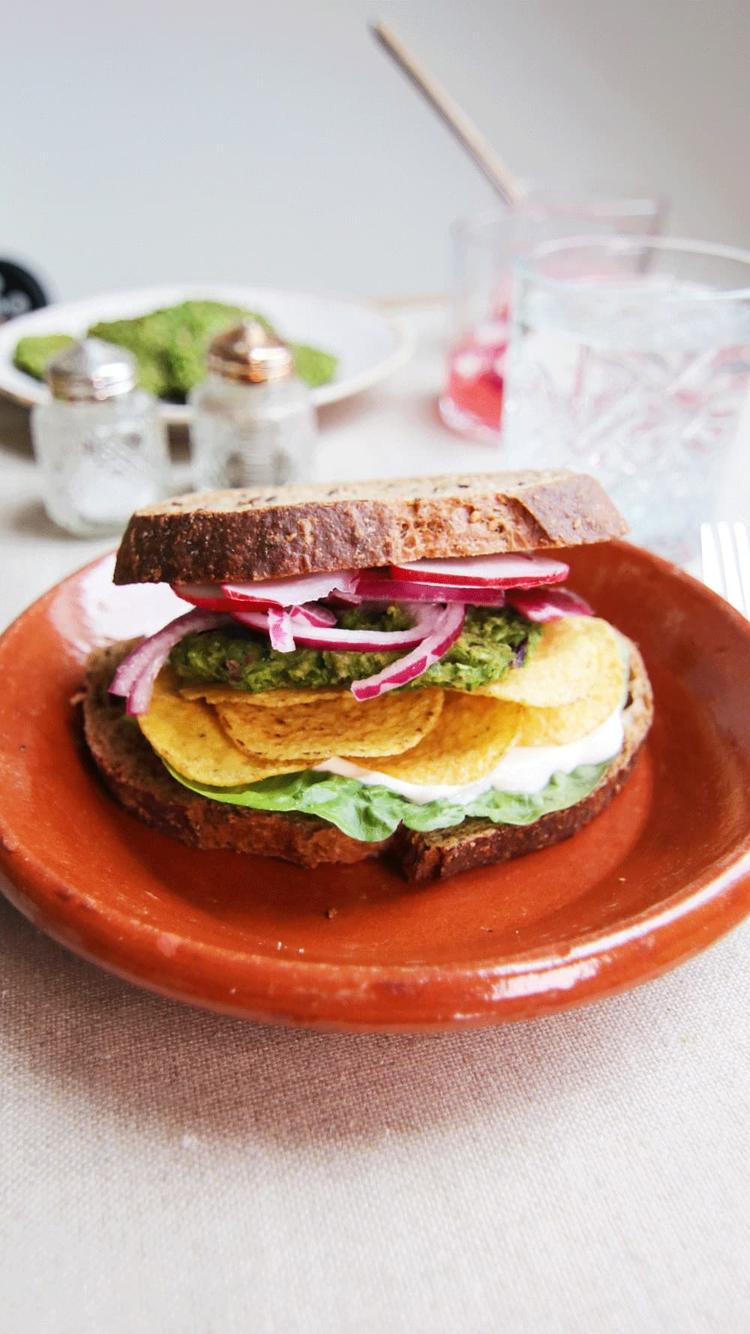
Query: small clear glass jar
{"x":253,"y":421}
{"x":99,"y":441}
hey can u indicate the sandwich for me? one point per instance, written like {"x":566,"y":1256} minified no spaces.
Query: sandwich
{"x":390,"y":669}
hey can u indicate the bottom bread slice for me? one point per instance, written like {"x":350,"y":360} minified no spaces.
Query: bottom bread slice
{"x":137,"y":778}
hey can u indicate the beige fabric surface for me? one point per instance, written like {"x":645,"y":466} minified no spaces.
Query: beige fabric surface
{"x":166,"y":1171}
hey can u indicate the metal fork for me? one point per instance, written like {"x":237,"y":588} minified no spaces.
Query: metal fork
{"x":725,"y":562}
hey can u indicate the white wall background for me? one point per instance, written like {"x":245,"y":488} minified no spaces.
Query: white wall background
{"x":273,"y":142}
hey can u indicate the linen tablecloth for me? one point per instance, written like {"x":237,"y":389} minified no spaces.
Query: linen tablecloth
{"x":167,"y":1170}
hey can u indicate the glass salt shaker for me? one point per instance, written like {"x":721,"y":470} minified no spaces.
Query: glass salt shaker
{"x":253,"y":421}
{"x":99,"y":441}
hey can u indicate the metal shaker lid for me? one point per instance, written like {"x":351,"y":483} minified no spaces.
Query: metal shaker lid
{"x":91,"y":370}
{"x":249,"y":352}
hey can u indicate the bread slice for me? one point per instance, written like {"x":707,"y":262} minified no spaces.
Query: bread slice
{"x":136,"y":776}
{"x":259,"y":534}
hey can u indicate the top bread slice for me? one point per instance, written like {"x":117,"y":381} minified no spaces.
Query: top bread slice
{"x":263,"y":533}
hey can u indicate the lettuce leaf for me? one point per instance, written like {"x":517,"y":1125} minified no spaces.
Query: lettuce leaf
{"x":371,"y":813}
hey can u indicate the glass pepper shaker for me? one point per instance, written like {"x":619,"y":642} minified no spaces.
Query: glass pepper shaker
{"x":99,"y":440}
{"x":253,"y":421}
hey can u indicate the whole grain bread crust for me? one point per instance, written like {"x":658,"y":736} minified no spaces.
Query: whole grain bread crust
{"x":257,"y":534}
{"x":137,"y":778}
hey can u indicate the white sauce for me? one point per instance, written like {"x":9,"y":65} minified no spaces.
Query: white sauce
{"x":525,"y":769}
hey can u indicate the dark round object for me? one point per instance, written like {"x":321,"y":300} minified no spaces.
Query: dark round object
{"x":20,"y":291}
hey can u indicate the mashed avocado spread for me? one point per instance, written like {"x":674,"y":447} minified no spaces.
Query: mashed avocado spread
{"x":170,"y":347}
{"x":491,"y":642}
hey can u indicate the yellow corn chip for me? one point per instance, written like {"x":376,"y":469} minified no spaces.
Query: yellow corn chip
{"x":265,"y":699}
{"x":189,"y":736}
{"x":573,"y":655}
{"x":568,"y":722}
{"x":472,"y":736}
{"x":383,"y":726}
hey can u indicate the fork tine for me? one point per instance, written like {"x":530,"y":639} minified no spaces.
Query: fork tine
{"x":743,"y":560}
{"x":710,"y":560}
{"x":730,"y":566}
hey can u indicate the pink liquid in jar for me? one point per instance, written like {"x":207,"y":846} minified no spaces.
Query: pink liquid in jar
{"x":472,"y":401}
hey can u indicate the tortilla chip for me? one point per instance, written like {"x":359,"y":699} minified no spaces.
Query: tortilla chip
{"x":265,"y":699}
{"x":472,"y":736}
{"x":387,"y":725}
{"x":555,"y":727}
{"x":187,"y":734}
{"x":573,"y":655}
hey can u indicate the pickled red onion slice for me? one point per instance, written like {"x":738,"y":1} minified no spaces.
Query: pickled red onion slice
{"x":282,"y":623}
{"x":311,"y":634}
{"x":137,"y":672}
{"x":369,"y":641}
{"x":280,"y":630}
{"x":548,"y":604}
{"x":447,"y":626}
{"x":315,"y":613}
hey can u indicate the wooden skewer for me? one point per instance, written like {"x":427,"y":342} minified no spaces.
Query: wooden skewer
{"x":452,"y":115}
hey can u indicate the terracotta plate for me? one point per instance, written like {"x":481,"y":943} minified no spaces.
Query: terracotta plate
{"x":662,"y":873}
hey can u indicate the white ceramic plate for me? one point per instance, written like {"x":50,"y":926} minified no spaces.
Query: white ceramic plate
{"x":367,"y":343}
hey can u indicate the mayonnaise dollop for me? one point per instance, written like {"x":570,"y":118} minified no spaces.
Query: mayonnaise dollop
{"x":524,"y":769}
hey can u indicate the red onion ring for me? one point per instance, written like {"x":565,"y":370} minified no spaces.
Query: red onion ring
{"x":371,"y":641}
{"x":280,"y":630}
{"x":447,"y":626}
{"x":137,"y":672}
{"x":340,"y":640}
{"x":282,"y":623}
{"x":548,"y":604}
{"x":315,"y":613}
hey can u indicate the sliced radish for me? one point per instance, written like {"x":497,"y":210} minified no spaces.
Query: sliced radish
{"x":447,"y":626}
{"x":291,"y":592}
{"x":548,"y":604}
{"x":503,"y":570}
{"x":379,"y":588}
{"x":208,"y":597}
{"x":137,"y":672}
